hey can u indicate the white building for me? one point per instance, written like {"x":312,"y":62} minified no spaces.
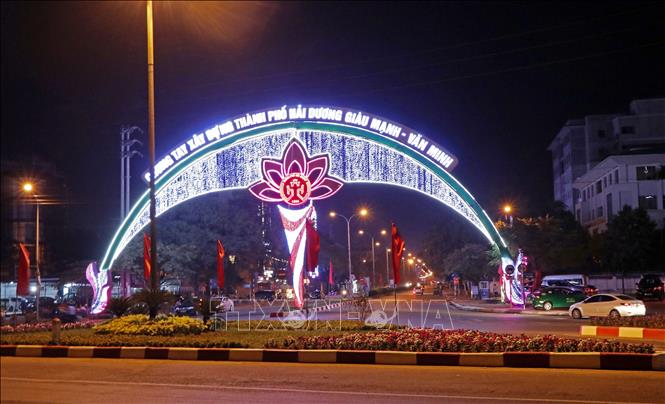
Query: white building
{"x":626,"y":180}
{"x":583,"y":143}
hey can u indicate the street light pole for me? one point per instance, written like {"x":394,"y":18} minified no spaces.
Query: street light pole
{"x":387,"y":266}
{"x":373,"y":266}
{"x":348,"y":242}
{"x":37,"y":273}
{"x":154,"y":270}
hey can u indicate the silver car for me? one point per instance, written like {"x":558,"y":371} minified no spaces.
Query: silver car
{"x":612,"y":305}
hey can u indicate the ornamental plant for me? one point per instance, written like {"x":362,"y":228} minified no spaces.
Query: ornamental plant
{"x":140,"y":324}
{"x":46,"y":326}
{"x":651,"y":321}
{"x":428,"y":340}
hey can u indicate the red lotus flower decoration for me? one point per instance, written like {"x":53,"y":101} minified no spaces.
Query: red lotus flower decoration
{"x":296,"y":178}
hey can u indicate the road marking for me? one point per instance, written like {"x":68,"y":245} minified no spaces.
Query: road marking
{"x":311,"y":391}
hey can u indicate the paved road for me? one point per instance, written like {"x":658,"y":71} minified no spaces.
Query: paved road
{"x":61,"y":380}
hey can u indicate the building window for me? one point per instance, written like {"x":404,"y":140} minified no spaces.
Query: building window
{"x":627,"y":130}
{"x":610,"y":177}
{"x":605,"y":182}
{"x":616,"y":176}
{"x":599,"y":212}
{"x":646,"y":173}
{"x":601,"y":133}
{"x":609,"y":206}
{"x":599,"y":187}
{"x":647,"y":202}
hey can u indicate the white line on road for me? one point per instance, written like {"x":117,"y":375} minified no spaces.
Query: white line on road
{"x":309,"y":391}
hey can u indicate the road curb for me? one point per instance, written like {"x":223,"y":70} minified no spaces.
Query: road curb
{"x":570,"y":360}
{"x":623,"y":332}
{"x":310,"y":310}
{"x":506,"y":311}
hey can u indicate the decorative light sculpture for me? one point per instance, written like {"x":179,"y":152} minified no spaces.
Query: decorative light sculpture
{"x":101,"y":282}
{"x":296,"y":179}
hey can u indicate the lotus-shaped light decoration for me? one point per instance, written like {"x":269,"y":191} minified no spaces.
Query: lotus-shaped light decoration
{"x":296,"y":178}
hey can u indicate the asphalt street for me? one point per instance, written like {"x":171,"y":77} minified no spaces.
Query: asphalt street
{"x":64,"y":380}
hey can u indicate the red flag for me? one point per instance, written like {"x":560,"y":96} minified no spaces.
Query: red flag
{"x":146,"y":257}
{"x":23,"y":284}
{"x":330,"y":274}
{"x":220,"y":265}
{"x":397,"y":250}
{"x":313,"y":246}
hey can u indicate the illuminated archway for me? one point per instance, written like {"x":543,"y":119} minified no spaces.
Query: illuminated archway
{"x":363,"y":148}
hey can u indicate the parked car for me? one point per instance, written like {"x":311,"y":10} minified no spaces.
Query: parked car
{"x":265,"y":295}
{"x":650,"y":286}
{"x":316,"y":294}
{"x":418,"y":290}
{"x":556,"y":298}
{"x":185,"y":307}
{"x":608,"y":305}
{"x":563,"y":280}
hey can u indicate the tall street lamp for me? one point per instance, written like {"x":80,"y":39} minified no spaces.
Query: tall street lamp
{"x":374,"y":244}
{"x":388,"y":265}
{"x":508,"y":214}
{"x":29,"y":189}
{"x":154,"y":273}
{"x":362,"y":212}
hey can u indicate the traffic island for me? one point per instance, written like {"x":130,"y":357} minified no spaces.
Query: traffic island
{"x":657,"y":334}
{"x":575,"y":360}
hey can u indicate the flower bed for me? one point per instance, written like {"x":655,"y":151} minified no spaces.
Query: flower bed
{"x":140,"y":324}
{"x":651,"y":321}
{"x":46,"y":326}
{"x":427,"y":340}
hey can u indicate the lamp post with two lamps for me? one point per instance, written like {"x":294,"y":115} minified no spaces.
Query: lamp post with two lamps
{"x":362,"y":212}
{"x":374,"y":244}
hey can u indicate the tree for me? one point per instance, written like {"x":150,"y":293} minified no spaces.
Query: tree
{"x":472,"y":262}
{"x":187,"y":237}
{"x":554,"y":242}
{"x":631,"y":242}
{"x":446,"y":236}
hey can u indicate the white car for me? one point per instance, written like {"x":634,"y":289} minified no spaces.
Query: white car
{"x":607,"y":305}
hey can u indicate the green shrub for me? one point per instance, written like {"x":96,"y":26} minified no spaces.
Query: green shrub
{"x":118,"y":306}
{"x":153,"y":300}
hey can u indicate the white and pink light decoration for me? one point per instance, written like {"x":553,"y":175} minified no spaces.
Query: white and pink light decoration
{"x":296,"y":180}
{"x":101,"y":282}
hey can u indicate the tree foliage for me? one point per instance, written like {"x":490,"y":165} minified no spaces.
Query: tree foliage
{"x":187,"y":237}
{"x":472,"y":262}
{"x":630,"y":243}
{"x":555,"y":242}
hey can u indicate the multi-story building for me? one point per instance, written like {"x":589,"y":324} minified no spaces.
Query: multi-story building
{"x":583,"y":143}
{"x":637,"y":181}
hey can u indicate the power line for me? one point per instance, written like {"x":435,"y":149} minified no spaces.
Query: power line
{"x":430,"y":50}
{"x":557,"y":61}
{"x":507,"y":70}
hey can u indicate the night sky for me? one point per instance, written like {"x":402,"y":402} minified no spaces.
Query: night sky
{"x":492,"y":82}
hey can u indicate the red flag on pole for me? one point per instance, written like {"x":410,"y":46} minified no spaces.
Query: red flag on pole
{"x":146,"y":257}
{"x":330,"y":275}
{"x":397,"y":250}
{"x":23,"y":284}
{"x":313,"y":246}
{"x":220,"y":265}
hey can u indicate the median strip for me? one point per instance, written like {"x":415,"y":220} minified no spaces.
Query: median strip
{"x":576,"y":360}
{"x":623,"y":332}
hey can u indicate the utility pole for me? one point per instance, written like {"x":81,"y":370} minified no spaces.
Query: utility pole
{"x":126,"y":154}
